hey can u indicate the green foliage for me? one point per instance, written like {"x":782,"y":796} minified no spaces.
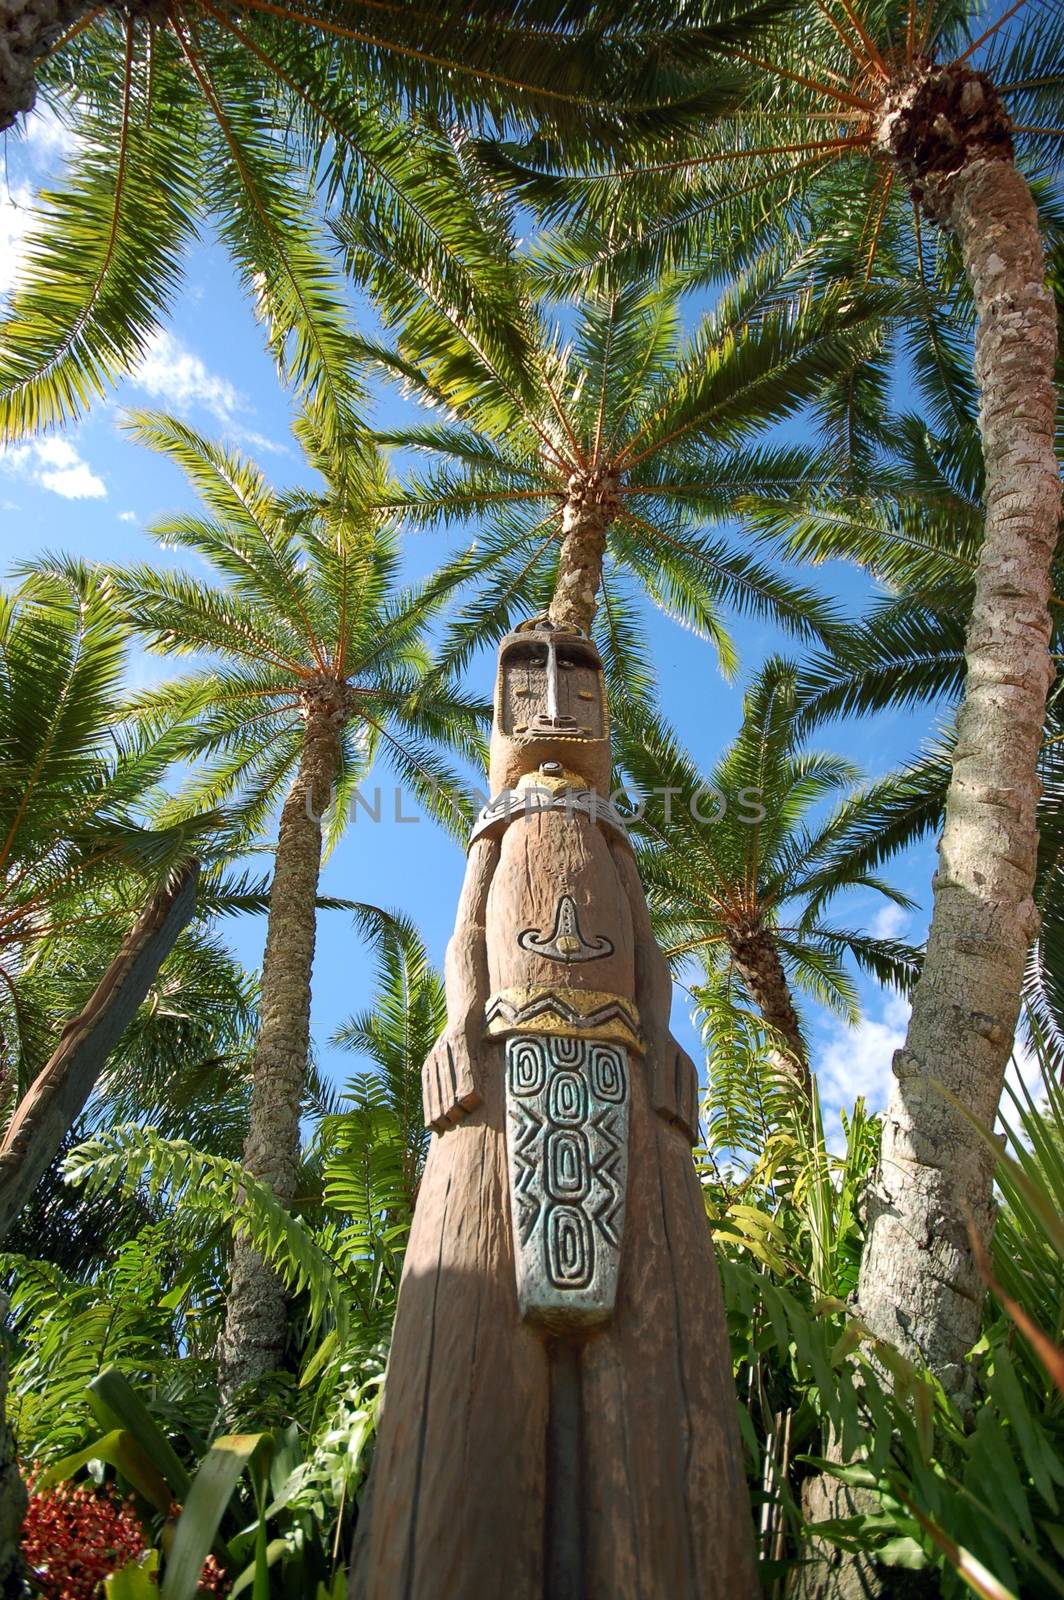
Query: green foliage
{"x":170,"y":129}
{"x":751,"y":849}
{"x":380,"y":1141}
{"x":532,"y":406}
{"x":375,"y":1148}
{"x":131,"y":1157}
{"x":399,"y":138}
{"x":239,"y":122}
{"x":308,"y":593}
{"x":211,"y":1524}
{"x":80,"y":850}
{"x":960,"y":1486}
{"x":792,"y":170}
{"x":208,"y":1496}
{"x":65,"y":1332}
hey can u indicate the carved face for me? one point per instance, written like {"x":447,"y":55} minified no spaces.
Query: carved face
{"x":550,"y":706}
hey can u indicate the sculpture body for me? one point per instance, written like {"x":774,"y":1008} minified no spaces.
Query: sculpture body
{"x":559,"y":1416}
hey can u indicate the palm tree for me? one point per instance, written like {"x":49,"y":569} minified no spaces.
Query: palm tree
{"x":80,"y":850}
{"x":181,"y":1067}
{"x":917,"y":525}
{"x":78,"y":859}
{"x":741,"y":870}
{"x":317,"y":663}
{"x":922,"y":532}
{"x":612,"y":431}
{"x":195,"y":113}
{"x":863,"y":123}
{"x":379,"y":1143}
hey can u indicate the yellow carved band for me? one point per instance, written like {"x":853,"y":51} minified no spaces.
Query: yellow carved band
{"x":571,"y":1013}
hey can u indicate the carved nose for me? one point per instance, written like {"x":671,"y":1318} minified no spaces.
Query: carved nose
{"x":545,"y":724}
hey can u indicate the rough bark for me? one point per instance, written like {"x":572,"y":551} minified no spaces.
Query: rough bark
{"x":758,"y":963}
{"x":27,"y":29}
{"x":47,"y":1111}
{"x":589,"y":509}
{"x":829,"y":1573}
{"x":920,"y":1287}
{"x":253,"y":1339}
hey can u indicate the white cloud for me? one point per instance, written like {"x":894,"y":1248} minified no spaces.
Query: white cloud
{"x":61,"y":469}
{"x":260,"y":441}
{"x":53,"y":463}
{"x":16,"y":215}
{"x":75,"y":483}
{"x":37,"y":145}
{"x":857,"y":1061}
{"x":888,"y":922}
{"x":44,"y":138}
{"x":176,"y":375}
{"x":127,"y":516}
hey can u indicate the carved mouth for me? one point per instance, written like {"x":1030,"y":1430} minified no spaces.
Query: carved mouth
{"x":566,"y":728}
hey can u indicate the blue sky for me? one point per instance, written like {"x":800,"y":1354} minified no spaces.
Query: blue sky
{"x":89,"y":491}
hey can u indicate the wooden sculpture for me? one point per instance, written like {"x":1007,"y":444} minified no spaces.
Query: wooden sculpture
{"x":559,"y":1419}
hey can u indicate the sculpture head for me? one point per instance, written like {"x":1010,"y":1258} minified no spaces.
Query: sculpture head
{"x":550,"y":708}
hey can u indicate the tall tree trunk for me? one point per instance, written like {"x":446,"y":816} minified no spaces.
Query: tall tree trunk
{"x":55,"y":1099}
{"x":253,"y":1339}
{"x":43,"y":1118}
{"x":27,"y":29}
{"x":919,"y":1285}
{"x":758,"y":963}
{"x":591,"y":505}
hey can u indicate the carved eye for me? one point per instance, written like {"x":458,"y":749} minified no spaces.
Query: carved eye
{"x":585,"y":694}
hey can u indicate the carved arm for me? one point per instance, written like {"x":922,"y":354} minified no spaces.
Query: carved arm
{"x":450,"y":1079}
{"x":672,"y":1079}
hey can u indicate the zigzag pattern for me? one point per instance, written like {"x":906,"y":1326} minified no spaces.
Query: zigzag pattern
{"x":550,"y":1002}
{"x":606,"y":1214}
{"x":527,"y":1128}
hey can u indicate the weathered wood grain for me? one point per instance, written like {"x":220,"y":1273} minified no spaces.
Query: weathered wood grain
{"x":588,"y":1449}
{"x":458,"y":1491}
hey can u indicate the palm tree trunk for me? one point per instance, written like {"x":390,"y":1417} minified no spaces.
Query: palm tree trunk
{"x":758,"y":963}
{"x":27,"y":29}
{"x":919,"y":1284}
{"x":253,"y":1339}
{"x":44,"y":1116}
{"x":591,"y":505}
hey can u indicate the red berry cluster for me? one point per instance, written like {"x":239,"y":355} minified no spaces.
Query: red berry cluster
{"x":213,"y":1579}
{"x":74,"y":1536}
